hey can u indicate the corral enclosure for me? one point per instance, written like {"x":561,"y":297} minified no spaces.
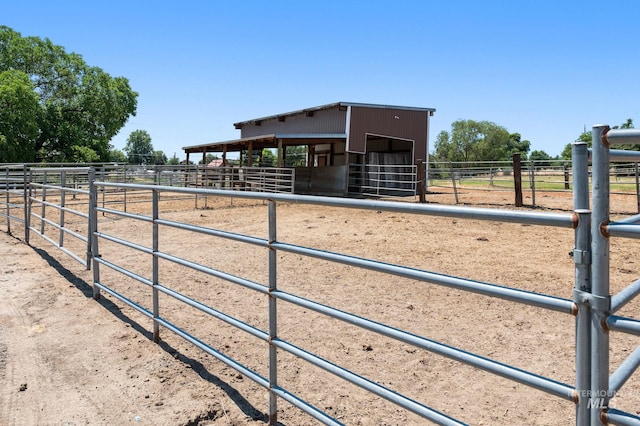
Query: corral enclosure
{"x":530,"y":257}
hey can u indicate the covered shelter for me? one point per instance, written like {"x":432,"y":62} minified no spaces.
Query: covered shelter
{"x":348,"y":146}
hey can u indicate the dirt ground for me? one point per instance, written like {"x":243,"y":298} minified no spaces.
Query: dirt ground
{"x":66,"y":359}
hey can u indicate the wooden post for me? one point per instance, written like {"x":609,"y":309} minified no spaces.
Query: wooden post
{"x":453,"y":181}
{"x":566,"y":177}
{"x":224,"y":154}
{"x":532,"y":183}
{"x":311,"y":155}
{"x":517,"y":178}
{"x":280,"y":162}
{"x":420,"y":180}
{"x":250,"y":154}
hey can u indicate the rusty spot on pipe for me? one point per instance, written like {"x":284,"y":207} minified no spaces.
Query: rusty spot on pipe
{"x":576,"y":397}
{"x":603,"y":418}
{"x":604,"y":138}
{"x":604,"y":229}
{"x":575,"y":220}
{"x":574,"y":309}
{"x":604,"y":325}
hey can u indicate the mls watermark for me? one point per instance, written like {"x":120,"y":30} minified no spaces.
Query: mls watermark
{"x":597,"y":399}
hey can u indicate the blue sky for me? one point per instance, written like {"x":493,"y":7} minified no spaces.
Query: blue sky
{"x":544,"y":69}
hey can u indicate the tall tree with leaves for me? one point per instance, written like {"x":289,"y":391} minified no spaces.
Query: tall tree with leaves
{"x":18,"y":117}
{"x":80,"y":108}
{"x":478,"y":141}
{"x":586,"y":137}
{"x":139,"y":148}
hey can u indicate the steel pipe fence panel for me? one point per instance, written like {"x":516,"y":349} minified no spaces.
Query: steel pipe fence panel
{"x":620,"y":418}
{"x":381,"y":391}
{"x":12,"y":194}
{"x":49,"y":190}
{"x":489,"y":214}
{"x":624,"y":371}
{"x":553,"y":387}
{"x":534,"y":299}
{"x":625,"y":296}
{"x":539,"y":382}
{"x":604,"y":386}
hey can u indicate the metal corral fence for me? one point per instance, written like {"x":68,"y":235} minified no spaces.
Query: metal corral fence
{"x":13,"y":194}
{"x":275,"y":295}
{"x":592,"y":305}
{"x":546,"y":176}
{"x":383,"y":180}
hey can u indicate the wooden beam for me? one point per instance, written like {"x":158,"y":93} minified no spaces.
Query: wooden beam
{"x":311,"y":155}
{"x":250,"y":154}
{"x":280,"y":162}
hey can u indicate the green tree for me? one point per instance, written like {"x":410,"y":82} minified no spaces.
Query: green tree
{"x":139,"y":148}
{"x":18,"y":117}
{"x":117,"y":156}
{"x":78,"y":105}
{"x":516,"y":145}
{"x":585,"y":136}
{"x":159,"y":158}
{"x":478,"y":141}
{"x":540,"y":157}
{"x":174,"y":161}
{"x":295,"y":156}
{"x":269,"y":159}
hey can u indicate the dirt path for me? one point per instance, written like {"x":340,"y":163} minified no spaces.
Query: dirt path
{"x":66,"y":359}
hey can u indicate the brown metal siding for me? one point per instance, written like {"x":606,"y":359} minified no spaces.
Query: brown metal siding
{"x":398,"y":123}
{"x":324,"y":121}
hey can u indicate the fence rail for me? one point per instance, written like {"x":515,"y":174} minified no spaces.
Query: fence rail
{"x":47,"y":190}
{"x":547,"y":176}
{"x":383,"y":180}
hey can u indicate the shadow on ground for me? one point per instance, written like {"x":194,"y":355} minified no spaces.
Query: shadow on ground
{"x":87,"y":290}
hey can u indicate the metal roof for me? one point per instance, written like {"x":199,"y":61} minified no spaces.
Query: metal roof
{"x":328,"y":106}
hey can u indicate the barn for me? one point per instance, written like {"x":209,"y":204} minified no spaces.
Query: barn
{"x":342,"y":148}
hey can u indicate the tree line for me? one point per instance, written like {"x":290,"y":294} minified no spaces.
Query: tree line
{"x":472,"y":141}
{"x":54,"y":107}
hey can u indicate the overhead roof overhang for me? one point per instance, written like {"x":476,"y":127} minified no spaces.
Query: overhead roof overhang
{"x":267,"y":141}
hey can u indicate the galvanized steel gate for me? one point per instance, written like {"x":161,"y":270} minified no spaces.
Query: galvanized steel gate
{"x":593,"y":306}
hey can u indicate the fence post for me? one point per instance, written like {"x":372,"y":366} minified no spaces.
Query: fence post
{"x":421,"y":178}
{"x":92,"y":250}
{"x":582,"y":287}
{"x":26,"y":202}
{"x":63,"y":196}
{"x":566,"y":177}
{"x":273,"y":325}
{"x":532,"y":183}
{"x":517,"y":178}
{"x":8,"y":199}
{"x":44,"y":198}
{"x":601,"y":300}
{"x":155,"y":273}
{"x":637,"y":187}
{"x":27,"y":205}
{"x":453,"y":180}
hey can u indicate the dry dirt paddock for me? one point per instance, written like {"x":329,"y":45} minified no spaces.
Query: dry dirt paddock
{"x":66,"y":359}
